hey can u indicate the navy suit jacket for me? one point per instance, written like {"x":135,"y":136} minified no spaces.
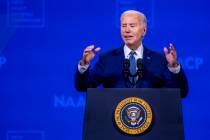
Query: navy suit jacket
{"x":108,"y":71}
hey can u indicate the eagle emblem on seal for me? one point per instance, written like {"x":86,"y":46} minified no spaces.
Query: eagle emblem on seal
{"x":133,"y":115}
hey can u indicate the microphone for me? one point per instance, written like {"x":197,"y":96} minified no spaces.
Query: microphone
{"x":130,"y":77}
{"x":139,"y":68}
{"x":126,"y":71}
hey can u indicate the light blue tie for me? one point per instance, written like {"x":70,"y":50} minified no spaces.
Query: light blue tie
{"x":132,"y":63}
{"x":132,"y":68}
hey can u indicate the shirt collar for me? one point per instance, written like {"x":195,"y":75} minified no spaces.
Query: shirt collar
{"x":139,"y":51}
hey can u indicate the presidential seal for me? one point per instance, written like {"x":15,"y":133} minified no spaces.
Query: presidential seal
{"x":133,"y":116}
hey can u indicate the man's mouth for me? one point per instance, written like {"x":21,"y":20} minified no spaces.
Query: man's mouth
{"x":128,"y":37}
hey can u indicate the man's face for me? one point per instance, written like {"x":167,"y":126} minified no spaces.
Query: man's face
{"x":133,"y":29}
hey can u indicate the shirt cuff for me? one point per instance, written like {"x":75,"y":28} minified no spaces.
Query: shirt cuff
{"x":175,"y":70}
{"x":82,"y":69}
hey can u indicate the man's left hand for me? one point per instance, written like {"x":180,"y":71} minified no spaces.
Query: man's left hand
{"x":171,"y":56}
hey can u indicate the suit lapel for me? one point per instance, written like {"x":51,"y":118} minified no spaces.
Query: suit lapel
{"x":145,"y":64}
{"x":146,"y":57}
{"x":120,"y":53}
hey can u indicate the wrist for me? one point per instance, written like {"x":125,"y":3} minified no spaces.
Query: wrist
{"x":175,"y":65}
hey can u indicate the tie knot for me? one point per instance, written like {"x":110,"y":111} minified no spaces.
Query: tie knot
{"x":132,"y":53}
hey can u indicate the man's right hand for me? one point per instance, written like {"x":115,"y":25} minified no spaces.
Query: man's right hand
{"x":88,"y":54}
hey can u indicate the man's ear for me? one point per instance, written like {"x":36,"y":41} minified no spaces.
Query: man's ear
{"x":145,"y":31}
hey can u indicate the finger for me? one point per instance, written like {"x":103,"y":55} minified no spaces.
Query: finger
{"x":87,"y":50}
{"x":171,"y":46}
{"x":90,"y":46}
{"x":97,"y":49}
{"x":165,"y":50}
{"x":172,"y":49}
{"x":173,"y":52}
{"x":86,"y":53}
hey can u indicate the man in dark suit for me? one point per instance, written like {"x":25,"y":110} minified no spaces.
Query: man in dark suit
{"x":144,"y":68}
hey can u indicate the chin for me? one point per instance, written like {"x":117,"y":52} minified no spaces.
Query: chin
{"x":129,"y":44}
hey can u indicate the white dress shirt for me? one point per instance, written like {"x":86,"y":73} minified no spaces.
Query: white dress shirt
{"x":138,"y":52}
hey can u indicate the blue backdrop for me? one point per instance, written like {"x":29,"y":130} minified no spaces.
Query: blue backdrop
{"x":41,"y":42}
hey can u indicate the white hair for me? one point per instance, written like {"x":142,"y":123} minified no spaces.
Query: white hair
{"x":135,"y":12}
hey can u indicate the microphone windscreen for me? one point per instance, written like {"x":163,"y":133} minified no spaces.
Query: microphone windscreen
{"x":126,"y":63}
{"x":139,"y":63}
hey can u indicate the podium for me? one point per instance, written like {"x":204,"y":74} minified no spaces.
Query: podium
{"x":100,"y":121}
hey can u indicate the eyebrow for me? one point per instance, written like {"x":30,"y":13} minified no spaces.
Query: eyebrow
{"x":129,"y":24}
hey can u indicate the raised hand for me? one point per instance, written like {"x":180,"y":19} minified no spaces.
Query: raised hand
{"x":171,"y":56}
{"x":88,"y":54}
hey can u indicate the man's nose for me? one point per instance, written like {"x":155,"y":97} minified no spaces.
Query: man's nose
{"x":127,"y":29}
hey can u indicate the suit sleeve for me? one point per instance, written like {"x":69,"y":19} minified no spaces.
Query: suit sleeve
{"x":91,"y":78}
{"x":173,"y":80}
